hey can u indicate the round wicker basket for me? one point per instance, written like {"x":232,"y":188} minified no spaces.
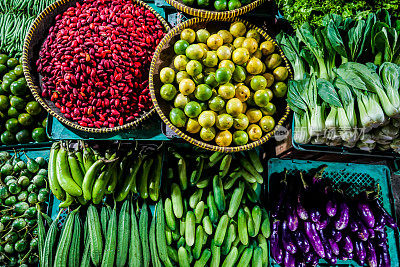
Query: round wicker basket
{"x":163,"y":57}
{"x":207,"y":14}
{"x":33,"y":42}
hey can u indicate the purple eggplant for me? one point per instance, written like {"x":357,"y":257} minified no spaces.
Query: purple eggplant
{"x":293,"y":220}
{"x":336,"y":235}
{"x":371,"y":255}
{"x":347,"y":244}
{"x":314,"y":238}
{"x":311,"y":258}
{"x":300,"y":210}
{"x":380,"y":221}
{"x":361,"y":252}
{"x":365,"y":212}
{"x":389,"y":219}
{"x":371,"y":233}
{"x":381,"y":237}
{"x":301,"y":241}
{"x":332,"y":261}
{"x":354,"y":226}
{"x":343,"y":219}
{"x":385,"y":256}
{"x":276,"y":209}
{"x":331,"y":208}
{"x":289,"y":260}
{"x":276,"y":250}
{"x":300,"y":264}
{"x":334,"y":247}
{"x":327,"y":246}
{"x":287,"y":241}
{"x":315,"y":215}
{"x":322,"y":224}
{"x":363,"y":232}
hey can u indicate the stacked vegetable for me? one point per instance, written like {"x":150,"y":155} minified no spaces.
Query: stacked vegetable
{"x":22,"y":120}
{"x":346,"y":81}
{"x":23,"y":193}
{"x":224,"y":84}
{"x":218,"y":5}
{"x":313,"y":220}
{"x":82,"y":174}
{"x":214,"y":217}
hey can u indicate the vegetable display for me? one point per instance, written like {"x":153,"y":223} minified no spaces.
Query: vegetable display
{"x":22,"y":119}
{"x":212,"y":215}
{"x":96,"y":69}
{"x":222,"y":84}
{"x":81,"y":174}
{"x":346,"y":82}
{"x":217,"y":5}
{"x":313,"y":220}
{"x":23,"y":193}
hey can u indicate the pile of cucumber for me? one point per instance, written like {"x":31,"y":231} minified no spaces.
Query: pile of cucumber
{"x":80,"y":174}
{"x":23,"y":193}
{"x":216,"y":219}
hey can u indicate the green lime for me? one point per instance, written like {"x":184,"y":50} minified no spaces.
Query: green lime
{"x":180,"y":47}
{"x":195,"y":51}
{"x":177,"y":117}
{"x":220,"y":5}
{"x":192,"y":109}
{"x":223,"y":75}
{"x":168,"y":92}
{"x":226,"y":36}
{"x":4,"y":102}
{"x":7,"y":138}
{"x":253,"y":33}
{"x":12,"y":63}
{"x":237,"y":29}
{"x":23,"y":136}
{"x":224,"y":121}
{"x":186,"y":86}
{"x":258,"y":83}
{"x":254,"y":115}
{"x":19,"y":87}
{"x":181,"y":101}
{"x":17,"y":102}
{"x":203,"y":3}
{"x":3,"y":59}
{"x":207,"y":118}
{"x":234,"y":4}
{"x":202,"y":34}
{"x":203,"y":92}
{"x":216,"y":103}
{"x":241,"y":122}
{"x":194,"y":68}
{"x":3,"y":69}
{"x":12,"y":125}
{"x":180,"y":62}
{"x":181,"y":75}
{"x":224,"y":52}
{"x":39,"y":134}
{"x":188,"y":2}
{"x":280,"y":89}
{"x":44,"y":123}
{"x":280,"y":74}
{"x":269,"y":110}
{"x":239,"y":74}
{"x":210,"y":59}
{"x":25,"y":119}
{"x":167,"y":75}
{"x":19,"y":70}
{"x":267,"y":123}
{"x":188,"y":34}
{"x":5,"y":85}
{"x":261,"y":98}
{"x":12,"y":112}
{"x":199,"y":79}
{"x":33,"y":108}
{"x":240,"y":138}
{"x":210,"y":80}
{"x":207,"y":134}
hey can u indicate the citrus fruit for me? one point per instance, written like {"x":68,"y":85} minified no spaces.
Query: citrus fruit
{"x":240,"y":122}
{"x":244,"y":107}
{"x":261,"y":98}
{"x":227,"y":37}
{"x":12,"y":125}
{"x":210,"y":59}
{"x":250,"y":44}
{"x":4,"y":102}
{"x":223,"y":75}
{"x":202,"y":36}
{"x":267,"y":48}
{"x":195,"y":51}
{"x":180,"y":62}
{"x":240,"y":138}
{"x":280,"y":74}
{"x":186,"y":86}
{"x":270,"y":94}
{"x":216,"y":103}
{"x":267,"y":123}
{"x":242,"y":92}
{"x":194,"y":68}
{"x":193,"y":126}
{"x":240,"y":56}
{"x":237,"y":43}
{"x":177,"y":117}
{"x":224,"y":52}
{"x":257,"y":54}
{"x":227,"y":64}
{"x":223,"y":138}
{"x":203,"y":92}
{"x":253,"y":33}
{"x":254,"y":66}
{"x":239,"y":74}
{"x":220,"y":5}
{"x":181,"y":75}
{"x":192,"y":109}
{"x":237,"y":29}
{"x":25,"y":119}
{"x":280,"y":89}
{"x":207,"y":119}
{"x":254,"y":131}
{"x":167,"y":75}
{"x":180,"y":47}
{"x":168,"y":92}
{"x":234,"y":4}
{"x":270,"y":78}
{"x":269,"y":110}
{"x":214,"y":41}
{"x":207,"y":134}
{"x":258,"y":83}
{"x":210,"y":80}
{"x":209,"y":70}
{"x":234,"y":107}
{"x":273,"y":61}
{"x":188,"y":35}
{"x":226,"y":91}
{"x":254,"y":115}
{"x":224,"y":121}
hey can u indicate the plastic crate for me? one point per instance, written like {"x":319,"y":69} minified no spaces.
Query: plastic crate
{"x":359,"y":176}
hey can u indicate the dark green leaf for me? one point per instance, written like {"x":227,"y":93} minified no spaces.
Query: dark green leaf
{"x":335,"y":39}
{"x":328,"y":93}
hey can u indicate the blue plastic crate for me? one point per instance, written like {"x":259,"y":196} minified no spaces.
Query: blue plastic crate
{"x":359,"y":176}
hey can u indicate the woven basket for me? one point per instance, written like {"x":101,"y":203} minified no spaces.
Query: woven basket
{"x":203,"y":13}
{"x":33,"y":42}
{"x":163,"y":57}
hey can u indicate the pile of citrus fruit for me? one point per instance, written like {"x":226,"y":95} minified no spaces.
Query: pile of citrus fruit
{"x":222,"y":84}
{"x":218,"y":5}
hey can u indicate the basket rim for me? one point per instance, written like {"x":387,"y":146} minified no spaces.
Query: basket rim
{"x":34,"y":88}
{"x":196,"y":142}
{"x":208,"y":14}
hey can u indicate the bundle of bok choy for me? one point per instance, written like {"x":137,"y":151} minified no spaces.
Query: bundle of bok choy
{"x":345,"y":90}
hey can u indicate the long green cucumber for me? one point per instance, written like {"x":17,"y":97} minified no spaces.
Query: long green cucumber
{"x":250,"y":222}
{"x":236,"y":199}
{"x":190,"y":228}
{"x":144,"y":234}
{"x":262,"y":242}
{"x":255,"y":160}
{"x":229,"y":238}
{"x":257,"y":259}
{"x":246,"y":257}
{"x":172,"y":254}
{"x":96,"y":240}
{"x":155,"y":260}
{"x":242,"y":227}
{"x":231,"y":180}
{"x":265,"y":226}
{"x":160,"y":234}
{"x":221,"y":230}
{"x":216,"y":255}
{"x":199,"y":242}
{"x":205,"y":257}
{"x":231,"y":259}
{"x":135,"y":245}
{"x":212,"y":208}
{"x":124,"y":231}
{"x":225,"y":165}
{"x":177,"y":204}
{"x":111,"y":240}
{"x":219,"y":195}
{"x":195,"y":198}
{"x":183,"y":257}
{"x":199,"y":211}
{"x":256,"y":214}
{"x":169,"y":214}
{"x":207,"y":225}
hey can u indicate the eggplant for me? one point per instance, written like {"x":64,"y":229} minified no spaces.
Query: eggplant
{"x":283,"y":192}
{"x":371,"y":233}
{"x":301,"y":241}
{"x":293,"y":220}
{"x":289,"y":259}
{"x":343,"y":219}
{"x":389,"y":219}
{"x":287,"y":241}
{"x":380,"y":221}
{"x":365,"y":212}
{"x":361,"y":252}
{"x":336,"y":235}
{"x":347,"y":244}
{"x":381,"y":237}
{"x":300,"y":264}
{"x":315,"y":215}
{"x":276,"y":251}
{"x":371,"y":255}
{"x":331,"y":208}
{"x":334,"y":247}
{"x":327,"y":246}
{"x":385,"y":256}
{"x":332,"y":261}
{"x":314,"y":238}
{"x":322,"y":224}
{"x":300,"y":210}
{"x":311,"y":258}
{"x":363,"y":232}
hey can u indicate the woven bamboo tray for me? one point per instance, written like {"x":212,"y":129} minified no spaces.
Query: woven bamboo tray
{"x":163,"y":57}
{"x":203,"y":13}
{"x":33,"y":42}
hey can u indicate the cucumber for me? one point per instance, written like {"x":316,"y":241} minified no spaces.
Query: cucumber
{"x":196,"y":174}
{"x":216,"y":255}
{"x":242,"y":227}
{"x":215,"y":158}
{"x":236,"y":199}
{"x":110,"y":240}
{"x":177,"y":203}
{"x":183,"y":257}
{"x":231,"y":180}
{"x":229,"y":238}
{"x":256,"y":214}
{"x":250,"y":223}
{"x":221,"y":230}
{"x":199,"y":242}
{"x":218,"y":193}
{"x":257,"y":260}
{"x":172,"y":254}
{"x":207,"y":225}
{"x":182,"y":173}
{"x":155,"y":260}
{"x":96,"y":240}
{"x":85,"y":262}
{"x":168,"y":236}
{"x":190,"y":228}
{"x":169,"y":215}
{"x":249,"y":167}
{"x":160,"y":234}
{"x":144,"y":234}
{"x":195,"y":198}
{"x":182,"y":227}
{"x":124,"y":231}
{"x":203,"y":183}
{"x":181,"y":242}
{"x":135,"y":246}
{"x":225,"y":165}
{"x":255,"y":160}
{"x":231,"y":259}
{"x":205,"y":257}
{"x":74,"y":251}
{"x":265,"y":226}
{"x":246,"y":257}
{"x":212,"y":208}
{"x":199,"y":211}
{"x":262,"y":242}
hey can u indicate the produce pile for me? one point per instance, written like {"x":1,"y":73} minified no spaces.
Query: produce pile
{"x":346,"y":82}
{"x":226,"y":81}
{"x":214,"y":218}
{"x":217,"y":5}
{"x":313,"y":220}
{"x":79,"y":174}
{"x":22,"y":120}
{"x":23,"y":193}
{"x":96,"y":69}
{"x":16,"y":18}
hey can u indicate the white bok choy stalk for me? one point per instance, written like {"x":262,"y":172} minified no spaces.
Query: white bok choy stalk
{"x":390,"y":76}
{"x":316,"y":108}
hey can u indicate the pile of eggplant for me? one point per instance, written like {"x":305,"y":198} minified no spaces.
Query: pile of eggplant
{"x":314,"y":219}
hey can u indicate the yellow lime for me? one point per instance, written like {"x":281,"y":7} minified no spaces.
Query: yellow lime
{"x":167,"y":75}
{"x":188,"y":35}
{"x":239,"y":74}
{"x":181,"y":101}
{"x":254,"y":115}
{"x":226,"y":91}
{"x":180,"y":62}
{"x":186,"y":86}
{"x":273,"y":61}
{"x":181,"y":75}
{"x":240,"y":122}
{"x":234,"y":107}
{"x":210,"y":59}
{"x":269,"y":110}
{"x":250,"y":44}
{"x":223,"y":75}
{"x":214,"y":41}
{"x":224,"y":52}
{"x":207,"y":134}
{"x":237,"y":43}
{"x":237,"y":29}
{"x":267,"y":123}
{"x":227,"y":64}
{"x":280,"y":89}
{"x":258,"y":83}
{"x":202,"y":36}
{"x":193,"y":126}
{"x":240,"y":56}
{"x":216,"y":103}
{"x":242,"y":92}
{"x":223,"y":138}
{"x":254,"y":131}
{"x":192,"y":109}
{"x":254,"y":66}
{"x":177,"y":117}
{"x":267,"y":48}
{"x":194,"y":68}
{"x":270,"y":78}
{"x":224,"y":121}
{"x":226,"y":36}
{"x":280,"y":74}
{"x":195,"y":51}
{"x":261,"y":98}
{"x":207,"y":119}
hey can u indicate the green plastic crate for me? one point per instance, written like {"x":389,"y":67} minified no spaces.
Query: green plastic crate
{"x":360,"y":176}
